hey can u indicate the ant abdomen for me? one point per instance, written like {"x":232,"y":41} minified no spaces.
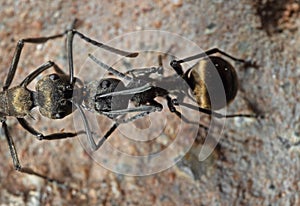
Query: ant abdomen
{"x":205,"y":82}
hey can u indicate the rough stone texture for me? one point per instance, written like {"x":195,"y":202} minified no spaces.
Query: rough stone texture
{"x":256,"y":163}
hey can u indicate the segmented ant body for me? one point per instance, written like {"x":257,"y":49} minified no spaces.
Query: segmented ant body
{"x":56,"y":95}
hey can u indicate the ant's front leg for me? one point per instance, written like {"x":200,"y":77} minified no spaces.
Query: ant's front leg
{"x":38,"y":71}
{"x":18,"y":50}
{"x":17,"y":54}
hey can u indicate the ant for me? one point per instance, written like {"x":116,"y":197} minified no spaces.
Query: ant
{"x":111,"y":97}
{"x":57,"y":95}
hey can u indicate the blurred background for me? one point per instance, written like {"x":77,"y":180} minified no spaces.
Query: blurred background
{"x":255,"y":163}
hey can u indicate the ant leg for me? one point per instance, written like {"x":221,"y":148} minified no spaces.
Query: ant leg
{"x":58,"y":69}
{"x":121,"y":75}
{"x":109,"y":69}
{"x":16,"y":161}
{"x":176,"y":65}
{"x":147,"y":71}
{"x":40,"y":136}
{"x":207,"y":53}
{"x":136,"y":90}
{"x":181,"y":116}
{"x":144,"y":108}
{"x":17,"y":54}
{"x":216,"y":114}
{"x":70,"y":37}
{"x":36,"y":72}
{"x":87,"y":127}
{"x":144,"y":71}
{"x":116,"y":124}
{"x":216,"y":50}
{"x":72,"y":32}
{"x":42,"y":68}
{"x":173,"y":109}
{"x":91,"y":140}
{"x":39,"y":70}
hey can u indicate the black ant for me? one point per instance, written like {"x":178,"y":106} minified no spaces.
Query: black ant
{"x":56,"y":95}
{"x":111,"y":97}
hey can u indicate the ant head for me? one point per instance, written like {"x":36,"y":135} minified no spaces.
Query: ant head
{"x":54,"y":96}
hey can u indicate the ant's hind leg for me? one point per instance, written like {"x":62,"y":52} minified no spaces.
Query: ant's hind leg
{"x":186,"y":120}
{"x":216,"y":50}
{"x":171,"y":105}
{"x":216,"y":114}
{"x":206,"y":54}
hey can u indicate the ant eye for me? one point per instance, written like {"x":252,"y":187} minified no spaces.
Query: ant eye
{"x":53,"y":77}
